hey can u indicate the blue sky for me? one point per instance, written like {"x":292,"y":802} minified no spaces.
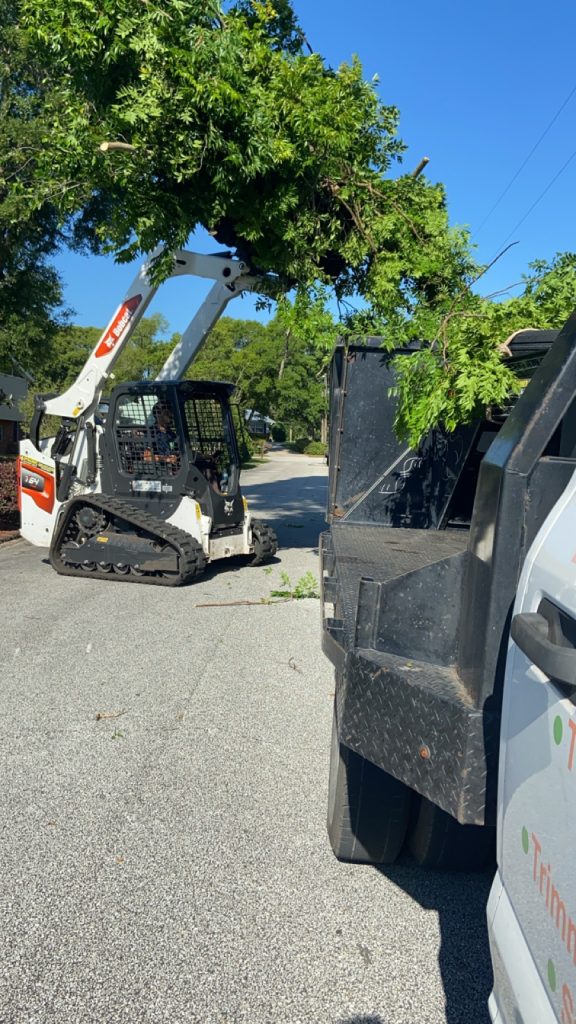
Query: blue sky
{"x":476,"y":86}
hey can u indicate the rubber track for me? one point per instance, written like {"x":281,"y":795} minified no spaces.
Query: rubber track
{"x":268,"y":539}
{"x":191,"y":558}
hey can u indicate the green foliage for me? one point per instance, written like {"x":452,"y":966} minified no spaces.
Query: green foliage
{"x":463,"y":368}
{"x":49,"y":425}
{"x":246,"y":445}
{"x":237,"y":351}
{"x":278,"y":368}
{"x":130,"y":124}
{"x":305,"y":334}
{"x":304,"y":446}
{"x":277,"y":19}
{"x":217,"y":116}
{"x":8,"y":490}
{"x":30,"y":290}
{"x":315,"y":448}
{"x":307,"y":586}
{"x":299,"y":445}
{"x":66,"y":355}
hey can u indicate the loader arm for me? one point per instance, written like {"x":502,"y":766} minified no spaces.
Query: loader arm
{"x":230,"y":277}
{"x":200,"y":326}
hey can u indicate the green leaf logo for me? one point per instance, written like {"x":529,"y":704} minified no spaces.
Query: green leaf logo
{"x":525,"y":840}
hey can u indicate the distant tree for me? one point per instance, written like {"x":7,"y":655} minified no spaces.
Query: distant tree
{"x":65,"y":356}
{"x":146,"y":352}
{"x":300,"y":403}
{"x":142,"y":358}
{"x":306,"y":334}
{"x":233,"y":353}
{"x":276,"y":367}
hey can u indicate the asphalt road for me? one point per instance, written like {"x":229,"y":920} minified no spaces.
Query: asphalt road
{"x":163,"y":773}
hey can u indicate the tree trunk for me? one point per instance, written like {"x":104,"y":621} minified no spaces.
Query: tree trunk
{"x":284,"y":359}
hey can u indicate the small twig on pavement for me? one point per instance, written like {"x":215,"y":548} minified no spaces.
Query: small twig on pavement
{"x":231,"y":604}
{"x":109,"y":714}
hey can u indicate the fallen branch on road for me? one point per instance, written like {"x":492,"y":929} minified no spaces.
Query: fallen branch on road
{"x":231,"y":604}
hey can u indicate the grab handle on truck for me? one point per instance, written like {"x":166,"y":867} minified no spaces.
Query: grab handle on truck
{"x":531,"y":632}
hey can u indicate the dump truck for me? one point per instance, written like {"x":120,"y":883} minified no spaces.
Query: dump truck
{"x":420,"y":571}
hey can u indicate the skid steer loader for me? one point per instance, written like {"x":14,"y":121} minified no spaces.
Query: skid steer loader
{"x":144,"y":488}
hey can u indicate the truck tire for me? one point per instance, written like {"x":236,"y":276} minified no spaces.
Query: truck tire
{"x":437,"y":840}
{"x":368,"y":810}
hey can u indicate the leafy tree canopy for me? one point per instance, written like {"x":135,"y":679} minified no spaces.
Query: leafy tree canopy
{"x":30,"y":289}
{"x":141,"y":121}
{"x":212,"y":114}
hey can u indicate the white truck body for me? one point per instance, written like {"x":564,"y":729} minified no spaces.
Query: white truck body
{"x":532,"y":906}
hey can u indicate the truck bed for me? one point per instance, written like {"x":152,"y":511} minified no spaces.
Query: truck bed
{"x":364,"y":559}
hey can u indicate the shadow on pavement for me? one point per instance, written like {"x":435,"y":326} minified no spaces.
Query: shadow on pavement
{"x":362,"y":1020}
{"x":294,"y":507}
{"x":460,"y":901}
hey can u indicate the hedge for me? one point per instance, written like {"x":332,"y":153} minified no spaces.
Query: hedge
{"x":8,"y":488}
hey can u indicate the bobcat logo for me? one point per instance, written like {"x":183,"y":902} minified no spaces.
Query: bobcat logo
{"x":228,"y":508}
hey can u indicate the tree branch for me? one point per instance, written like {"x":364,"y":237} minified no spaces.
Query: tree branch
{"x":126,"y":147}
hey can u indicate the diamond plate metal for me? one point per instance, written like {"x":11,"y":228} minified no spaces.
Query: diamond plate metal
{"x":412,"y":717}
{"x":416,"y":721}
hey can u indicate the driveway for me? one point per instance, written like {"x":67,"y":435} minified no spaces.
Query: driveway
{"x":163,"y":773}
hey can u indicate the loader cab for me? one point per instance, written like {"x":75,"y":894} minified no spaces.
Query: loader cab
{"x":165,"y":441}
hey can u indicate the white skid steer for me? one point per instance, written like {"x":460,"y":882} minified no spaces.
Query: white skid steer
{"x":148,"y":492}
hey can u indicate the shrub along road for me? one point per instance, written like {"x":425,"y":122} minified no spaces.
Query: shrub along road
{"x":164,"y":772}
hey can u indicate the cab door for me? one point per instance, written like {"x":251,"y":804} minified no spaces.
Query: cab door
{"x":532,"y":909}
